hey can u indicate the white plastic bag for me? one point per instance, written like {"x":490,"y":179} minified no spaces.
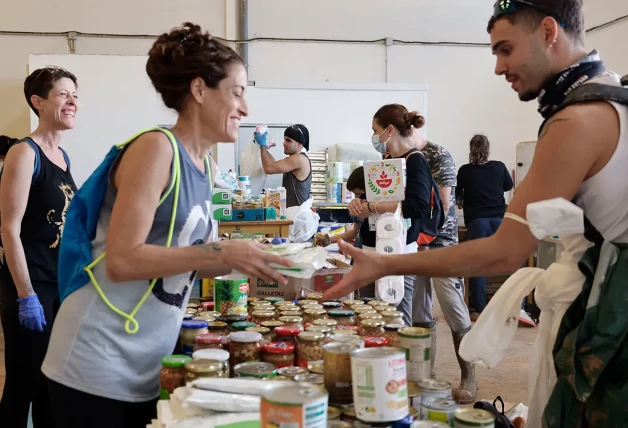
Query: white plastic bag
{"x":305,"y":221}
{"x":251,"y":165}
{"x":222,"y":401}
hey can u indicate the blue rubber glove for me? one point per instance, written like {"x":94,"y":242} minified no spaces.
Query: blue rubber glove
{"x":261,"y":139}
{"x":31,"y":313}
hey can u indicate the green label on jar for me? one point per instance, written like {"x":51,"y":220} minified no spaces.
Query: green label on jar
{"x":230,"y":295}
{"x":163,"y":394}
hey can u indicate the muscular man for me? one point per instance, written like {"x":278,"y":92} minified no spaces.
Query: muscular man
{"x":580,"y":156}
{"x":450,"y":291}
{"x":296,"y":168}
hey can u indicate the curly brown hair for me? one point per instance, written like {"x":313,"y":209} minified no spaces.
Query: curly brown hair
{"x":479,"y":149}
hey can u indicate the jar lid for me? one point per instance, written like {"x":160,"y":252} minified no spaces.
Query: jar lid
{"x":375,"y":341}
{"x":231,"y":318}
{"x":377,"y":303}
{"x":364,"y":309}
{"x":332,"y":305}
{"x":383,"y":308}
{"x":417,"y":332}
{"x":314,"y":296}
{"x":306,"y":302}
{"x":317,"y":369}
{"x":211,"y":354}
{"x":315,"y":312}
{"x":345,"y":332}
{"x":279,"y":348}
{"x":353,"y":302}
{"x":354,"y":328}
{"x":187,"y":317}
{"x":291,"y":312}
{"x":274,"y":299}
{"x":190,"y":311}
{"x":260,"y":330}
{"x":291,"y":319}
{"x":392,"y":314}
{"x":326,"y":322}
{"x":288,"y":330}
{"x":311,"y":336}
{"x":212,"y":314}
{"x":217,"y":325}
{"x":194,"y":324}
{"x":245,"y":336}
{"x":208,"y":319}
{"x":393,"y":327}
{"x":373,"y":323}
{"x":175,"y":360}
{"x":250,"y":300}
{"x":203,"y":366}
{"x":312,"y":306}
{"x":272,"y":324}
{"x":263,"y":313}
{"x":371,"y":316}
{"x":341,"y":313}
{"x":284,"y":303}
{"x":208,"y":338}
{"x":261,"y":303}
{"x":242,"y":325}
{"x":319,"y":328}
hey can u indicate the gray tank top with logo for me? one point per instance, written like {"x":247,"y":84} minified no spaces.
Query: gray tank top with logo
{"x":89,"y":349}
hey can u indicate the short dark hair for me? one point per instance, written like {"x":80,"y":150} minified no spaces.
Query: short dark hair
{"x":568,"y":13}
{"x":356,"y":180}
{"x":6,"y":143}
{"x":182,"y":55}
{"x":399,"y":117}
{"x":479,"y":149}
{"x":41,"y":81}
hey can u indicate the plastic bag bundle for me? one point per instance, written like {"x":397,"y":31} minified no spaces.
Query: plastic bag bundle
{"x":306,"y":259}
{"x":305,"y":221}
{"x":251,"y":163}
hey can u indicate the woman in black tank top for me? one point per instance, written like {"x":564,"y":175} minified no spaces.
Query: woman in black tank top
{"x":35,"y":193}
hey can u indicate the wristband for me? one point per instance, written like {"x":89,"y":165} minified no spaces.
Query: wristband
{"x":368,"y":205}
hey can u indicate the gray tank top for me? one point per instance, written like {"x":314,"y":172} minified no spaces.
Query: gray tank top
{"x":297,"y":191}
{"x":90,"y":349}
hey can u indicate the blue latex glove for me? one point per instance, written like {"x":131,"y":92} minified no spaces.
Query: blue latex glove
{"x":261,"y":139}
{"x":31,"y":313}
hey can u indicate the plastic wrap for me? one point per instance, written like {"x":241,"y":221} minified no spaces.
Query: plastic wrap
{"x":235,"y":386}
{"x":305,"y":258}
{"x":222,"y":401}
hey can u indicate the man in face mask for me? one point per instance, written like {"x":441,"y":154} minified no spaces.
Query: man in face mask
{"x":296,"y":168}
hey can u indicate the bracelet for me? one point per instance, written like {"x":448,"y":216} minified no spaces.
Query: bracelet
{"x":376,"y":208}
{"x":368,"y":205}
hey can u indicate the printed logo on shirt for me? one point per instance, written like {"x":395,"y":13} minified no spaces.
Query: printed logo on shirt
{"x":68,"y":193}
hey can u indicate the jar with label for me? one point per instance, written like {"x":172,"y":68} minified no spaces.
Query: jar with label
{"x":342,"y":316}
{"x":311,"y":306}
{"x":393,"y":317}
{"x":208,"y":341}
{"x":331,"y":305}
{"x":375,"y":341}
{"x":280,"y":354}
{"x":287,"y":333}
{"x":293,"y":321}
{"x":273,"y":300}
{"x":320,"y":329}
{"x":391,"y":333}
{"x":326,"y":322}
{"x":384,"y":308}
{"x":242,"y":325}
{"x":302,"y":303}
{"x":196,"y":369}
{"x":272,"y":325}
{"x":214,"y":354}
{"x":370,"y":316}
{"x":260,"y":316}
{"x":172,"y":374}
{"x":264,"y":331}
{"x":311,"y":315}
{"x":244,"y":346}
{"x":372,"y":328}
{"x":187,"y":336}
{"x":218,"y":327}
{"x":309,"y":348}
{"x":337,"y":371}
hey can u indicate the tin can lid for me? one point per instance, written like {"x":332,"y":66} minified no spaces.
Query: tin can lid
{"x":208,"y":338}
{"x":292,"y":371}
{"x":288,"y":330}
{"x":375,"y":341}
{"x":203,"y":366}
{"x":194,"y":324}
{"x":310,"y":378}
{"x":311,"y":336}
{"x":317,"y":368}
{"x":255,"y":368}
{"x":279,"y":348}
{"x":416,"y":332}
{"x":175,"y":360}
{"x":211,"y":354}
{"x":475,"y":416}
{"x":393,"y":327}
{"x":340,"y":313}
{"x":245,"y":336}
{"x":373,"y":323}
{"x":242,"y":325}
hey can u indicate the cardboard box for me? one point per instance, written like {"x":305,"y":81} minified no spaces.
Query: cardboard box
{"x":223,"y":213}
{"x":257,"y":214}
{"x":221,"y":197}
{"x":385,"y":180}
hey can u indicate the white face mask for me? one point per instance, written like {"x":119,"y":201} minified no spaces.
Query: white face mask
{"x":378,"y":145}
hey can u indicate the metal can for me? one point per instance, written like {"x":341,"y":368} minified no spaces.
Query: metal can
{"x":258,"y":370}
{"x":379,"y":384}
{"x":439,"y":409}
{"x":317,"y":368}
{"x":291,"y":372}
{"x":333,"y":413}
{"x":348,"y":413}
{"x":414,"y":396}
{"x":476,"y":418}
{"x":417,"y":344}
{"x":310,"y":378}
{"x":337,"y":363}
{"x":434,"y":388}
{"x":297,"y":406}
{"x":230,"y":294}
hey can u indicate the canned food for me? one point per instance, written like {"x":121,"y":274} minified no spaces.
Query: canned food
{"x":281,"y":354}
{"x":280,"y":377}
{"x":218,"y":327}
{"x":417,"y":344}
{"x":260,"y":316}
{"x":214,"y":354}
{"x":337,"y":374}
{"x":391,"y":333}
{"x":333,"y":413}
{"x":258,"y":370}
{"x":392,"y":316}
{"x":467,"y":418}
{"x":342,"y":316}
{"x":332,"y":305}
{"x":291,"y":372}
{"x":434,"y":388}
{"x":196,"y":369}
{"x":317,"y":368}
{"x":172,"y":375}
{"x":326,"y":323}
{"x":348,"y":413}
{"x":309,"y":348}
{"x":380,"y":391}
{"x":372,"y":327}
{"x":310,"y":378}
{"x":439,"y":409}
{"x":375,"y":342}
{"x":430,"y":424}
{"x":189,"y":331}
{"x":230,"y":294}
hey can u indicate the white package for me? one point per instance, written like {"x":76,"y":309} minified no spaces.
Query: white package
{"x":235,"y":385}
{"x":222,"y":401}
{"x":305,"y":258}
{"x":390,"y":289}
{"x":390,"y":228}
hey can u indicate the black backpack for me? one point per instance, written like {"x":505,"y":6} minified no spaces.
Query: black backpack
{"x":501,"y":420}
{"x":588,"y":93}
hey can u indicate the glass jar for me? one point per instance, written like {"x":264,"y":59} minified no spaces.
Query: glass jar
{"x":337,"y":365}
{"x":331,"y":305}
{"x":342,"y":316}
{"x":172,"y":374}
{"x":391,"y":333}
{"x":372,"y":328}
{"x":370,"y":316}
{"x":348,"y":304}
{"x":231,"y":318}
{"x":375,"y":341}
{"x":264,"y":331}
{"x":272,"y":325}
{"x":259,"y":306}
{"x":289,"y":314}
{"x":384,"y":308}
{"x":259,"y":316}
{"x":345,"y":332}
{"x":284,"y":303}
{"x":310,"y":348}
{"x":196,"y":369}
{"x":326,"y":322}
{"x":360,"y":311}
{"x":287,"y":333}
{"x":218,"y":327}
{"x":273,"y":300}
{"x":294,"y":321}
{"x":212,"y":314}
{"x":206,"y":307}
{"x":353,"y":328}
{"x":187,"y":336}
{"x":311,"y":315}
{"x":190,"y":311}
{"x":244,"y":346}
{"x":311,"y":306}
{"x":314,"y":295}
{"x":242,"y":325}
{"x":377,"y":303}
{"x":393,"y":317}
{"x":214,"y":354}
{"x":208,"y":341}
{"x":206,"y":319}
{"x":281,"y":354}
{"x":302,"y":303}
{"x":251,"y":300}
{"x":320,"y":329}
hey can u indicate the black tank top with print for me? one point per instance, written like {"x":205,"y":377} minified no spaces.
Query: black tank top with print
{"x":42,"y":224}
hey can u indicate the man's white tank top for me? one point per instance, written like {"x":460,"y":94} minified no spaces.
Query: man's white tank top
{"x":603,"y":197}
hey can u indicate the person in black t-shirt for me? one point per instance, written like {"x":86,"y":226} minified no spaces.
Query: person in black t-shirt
{"x":480,"y":191}
{"x":33,"y":208}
